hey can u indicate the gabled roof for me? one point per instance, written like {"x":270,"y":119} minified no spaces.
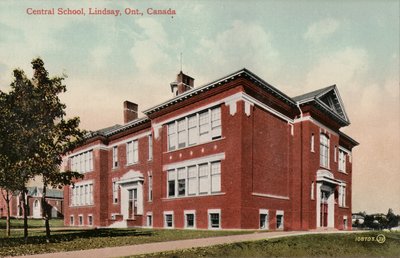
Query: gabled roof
{"x":241,"y":73}
{"x":327,"y":99}
{"x":108,"y":131}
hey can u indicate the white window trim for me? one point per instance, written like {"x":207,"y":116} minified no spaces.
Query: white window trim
{"x":149,"y":213}
{"x":185,"y":212}
{"x":209,"y":211}
{"x":73,"y":220}
{"x":312,"y":142}
{"x":79,"y":220}
{"x":280,"y":212}
{"x":115,"y":181}
{"x":150,"y":147}
{"x":193,"y":162}
{"x":150,"y":189}
{"x":115,"y":162}
{"x":90,"y":215}
{"x":264,"y":212}
{"x":165,"y":221}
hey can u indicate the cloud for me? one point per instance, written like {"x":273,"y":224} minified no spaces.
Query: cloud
{"x":321,"y":30}
{"x":244,"y":43}
{"x":99,"y":56}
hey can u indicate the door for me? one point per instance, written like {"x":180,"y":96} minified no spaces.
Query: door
{"x":132,"y":203}
{"x":36,"y":209}
{"x":324,"y":209}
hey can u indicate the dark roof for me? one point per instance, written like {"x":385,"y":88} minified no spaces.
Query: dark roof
{"x":241,"y":73}
{"x":313,"y":94}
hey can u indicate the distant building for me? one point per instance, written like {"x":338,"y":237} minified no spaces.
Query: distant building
{"x":236,"y":153}
{"x":54,"y":198}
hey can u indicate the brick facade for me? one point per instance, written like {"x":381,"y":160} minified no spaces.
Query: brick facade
{"x":269,"y":172}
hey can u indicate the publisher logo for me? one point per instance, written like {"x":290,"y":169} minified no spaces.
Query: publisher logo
{"x":380,"y":239}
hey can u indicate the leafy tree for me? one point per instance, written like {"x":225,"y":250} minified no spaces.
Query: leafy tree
{"x":393,"y":220}
{"x":40,"y":134}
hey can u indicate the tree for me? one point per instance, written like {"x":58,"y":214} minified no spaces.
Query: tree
{"x":393,"y":220}
{"x":41,"y":135}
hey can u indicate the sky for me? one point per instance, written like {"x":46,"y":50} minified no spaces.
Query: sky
{"x":297,"y":46}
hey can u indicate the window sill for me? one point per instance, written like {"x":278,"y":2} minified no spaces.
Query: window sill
{"x":323,"y":167}
{"x":344,"y":207}
{"x":195,"y":145}
{"x":131,"y":164}
{"x":191,"y":196}
{"x":343,"y":172}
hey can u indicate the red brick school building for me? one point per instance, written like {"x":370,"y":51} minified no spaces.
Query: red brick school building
{"x":236,"y":153}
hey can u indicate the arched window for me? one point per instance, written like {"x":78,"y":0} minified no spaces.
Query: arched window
{"x":324,"y":150}
{"x":36,"y":203}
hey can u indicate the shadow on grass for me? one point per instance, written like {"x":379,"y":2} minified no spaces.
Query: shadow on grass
{"x":59,"y":236}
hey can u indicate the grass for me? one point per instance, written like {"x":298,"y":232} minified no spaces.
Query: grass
{"x":32,"y":223}
{"x":80,"y":239}
{"x":332,"y":245}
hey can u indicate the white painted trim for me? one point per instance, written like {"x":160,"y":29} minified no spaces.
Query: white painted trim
{"x":309,"y":118}
{"x":264,"y":212}
{"x":86,"y":182}
{"x":280,"y":213}
{"x":133,"y":138}
{"x":87,"y":217}
{"x":209,"y":211}
{"x":345,"y":150}
{"x":191,"y":196}
{"x":80,"y":216}
{"x":91,"y":148}
{"x":173,"y":218}
{"x":185,"y":212}
{"x":271,"y":196}
{"x":191,"y":162}
{"x":266,"y":107}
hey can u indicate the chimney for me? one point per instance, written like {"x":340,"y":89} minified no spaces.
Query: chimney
{"x":182,"y":84}
{"x":130,"y":111}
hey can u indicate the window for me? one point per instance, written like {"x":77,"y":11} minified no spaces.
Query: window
{"x":342,"y":161}
{"x":324,"y":151}
{"x":71,"y":220}
{"x":82,"y":194}
{"x":204,"y":126}
{"x":345,"y":222}
{"x":115,"y":157}
{"x":182,"y":134}
{"x":342,"y":195}
{"x":215,"y":177}
{"x":150,"y":147}
{"x":80,"y":220}
{"x":190,"y":219}
{"x":182,"y":181}
{"x":192,"y":130}
{"x":132,"y":152}
{"x":335,"y":154}
{"x":171,"y":136}
{"x":82,"y":162}
{"x":264,"y":219}
{"x":149,"y":220}
{"x":90,"y":220}
{"x":312,"y":142}
{"x":115,"y":190}
{"x":203,"y":179}
{"x":171,"y":183}
{"x":312,"y":190}
{"x":168,"y":219}
{"x":279,"y":220}
{"x":214,"y":219}
{"x":150,"y":187}
{"x":216,"y":123}
{"x":192,"y":180}
{"x":197,"y":128}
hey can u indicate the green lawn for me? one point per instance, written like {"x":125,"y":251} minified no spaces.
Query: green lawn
{"x":32,"y":223}
{"x":333,"y":245}
{"x":79,"y":239}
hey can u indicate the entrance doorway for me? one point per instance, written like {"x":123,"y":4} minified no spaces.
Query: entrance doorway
{"x":324,"y":209}
{"x":132,"y":203}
